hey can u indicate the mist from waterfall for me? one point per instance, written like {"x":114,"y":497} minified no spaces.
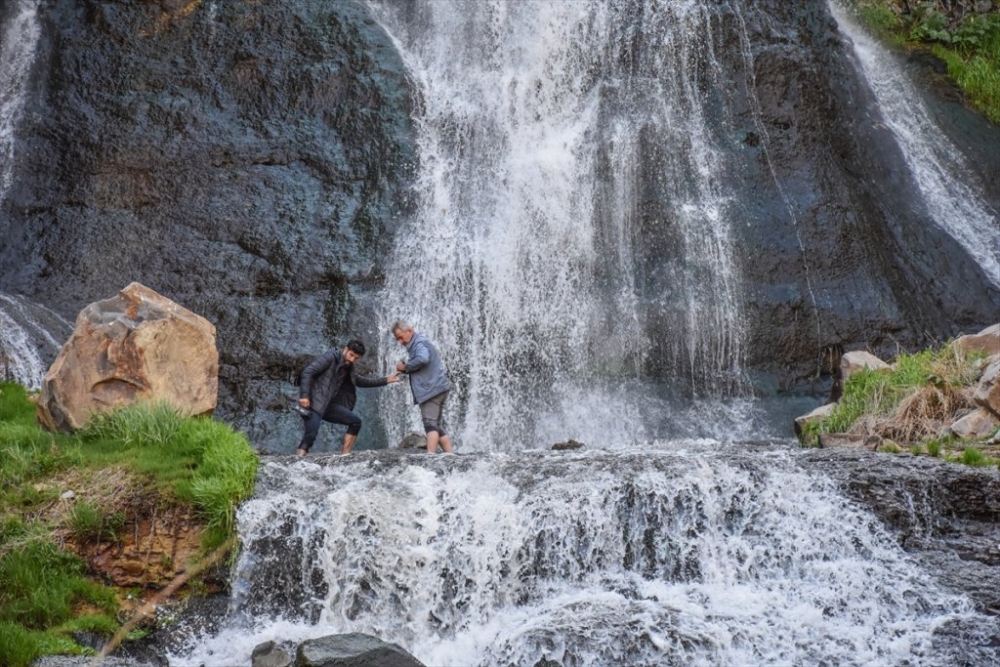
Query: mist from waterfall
{"x":17,"y":53}
{"x":539,"y":123}
{"x":948,"y":187}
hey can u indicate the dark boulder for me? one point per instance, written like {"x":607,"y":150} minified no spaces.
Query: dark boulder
{"x":352,"y":650}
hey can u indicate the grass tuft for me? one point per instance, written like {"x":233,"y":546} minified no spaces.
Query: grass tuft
{"x":43,"y":588}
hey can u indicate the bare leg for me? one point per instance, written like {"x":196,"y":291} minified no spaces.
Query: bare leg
{"x":432,"y":442}
{"x":446,"y":444}
{"x":348,"y":443}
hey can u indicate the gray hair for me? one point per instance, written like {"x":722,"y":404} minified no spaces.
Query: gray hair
{"x":401,"y":325}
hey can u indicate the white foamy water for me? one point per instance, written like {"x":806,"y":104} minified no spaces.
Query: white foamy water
{"x":680,"y":553}
{"x":948,"y":187}
{"x":539,"y":125}
{"x":17,"y":53}
{"x":27,"y":330}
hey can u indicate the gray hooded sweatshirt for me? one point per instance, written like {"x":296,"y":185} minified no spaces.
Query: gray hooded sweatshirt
{"x":428,"y":376}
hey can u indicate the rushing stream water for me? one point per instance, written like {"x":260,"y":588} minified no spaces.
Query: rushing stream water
{"x":678,"y":553}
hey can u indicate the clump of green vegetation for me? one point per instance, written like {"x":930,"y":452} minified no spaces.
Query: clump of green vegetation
{"x":41,"y":588}
{"x":934,"y":448}
{"x":198,"y":460}
{"x":881,"y":21}
{"x":973,"y":457}
{"x":87,"y":523}
{"x":905,"y":403}
{"x":909,"y":403}
{"x":968,"y":42}
{"x":45,"y":594}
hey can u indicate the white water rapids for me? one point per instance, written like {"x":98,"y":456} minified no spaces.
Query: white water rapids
{"x":681,"y":553}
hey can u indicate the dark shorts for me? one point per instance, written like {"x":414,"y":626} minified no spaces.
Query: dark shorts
{"x":430,"y":413}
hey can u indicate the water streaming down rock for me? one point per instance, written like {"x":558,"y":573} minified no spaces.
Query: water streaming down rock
{"x":530,"y":260}
{"x":27,"y":341}
{"x":31,"y":336}
{"x":685,"y":553}
{"x":950,"y":189}
{"x":17,"y":52}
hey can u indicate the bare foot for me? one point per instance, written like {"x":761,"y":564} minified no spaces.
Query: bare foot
{"x":300,"y":453}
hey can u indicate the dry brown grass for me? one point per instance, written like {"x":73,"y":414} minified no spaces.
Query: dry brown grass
{"x":920,"y":415}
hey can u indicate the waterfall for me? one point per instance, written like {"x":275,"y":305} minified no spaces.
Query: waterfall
{"x":23,"y":337}
{"x":535,"y":260}
{"x":692,"y":553}
{"x":948,"y":187}
{"x":17,"y":52}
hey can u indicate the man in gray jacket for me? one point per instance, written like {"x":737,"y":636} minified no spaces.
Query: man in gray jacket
{"x":326,"y":388}
{"x":428,"y":381}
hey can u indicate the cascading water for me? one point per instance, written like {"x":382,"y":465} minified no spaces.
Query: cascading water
{"x":17,"y":52}
{"x":24,"y":327}
{"x":30,"y":337}
{"x":948,"y":186}
{"x":697,"y":554}
{"x":541,"y":127}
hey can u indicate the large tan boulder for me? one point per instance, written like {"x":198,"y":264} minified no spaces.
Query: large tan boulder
{"x":136,"y":347}
{"x":980,"y":423}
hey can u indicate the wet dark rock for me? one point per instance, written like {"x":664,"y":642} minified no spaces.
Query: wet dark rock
{"x":844,"y":255}
{"x":352,"y":650}
{"x":269,"y":654}
{"x":569,"y":444}
{"x":413,"y":441}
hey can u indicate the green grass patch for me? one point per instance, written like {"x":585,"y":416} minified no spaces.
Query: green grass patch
{"x":45,"y":594}
{"x":90,"y":524}
{"x":908,"y":403}
{"x":880,"y":20}
{"x":977,"y":76}
{"x":197,"y":460}
{"x":970,"y":45}
{"x":973,"y":457}
{"x":934,"y":448}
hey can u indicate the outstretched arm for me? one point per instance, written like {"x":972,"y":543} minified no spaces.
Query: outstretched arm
{"x":367,"y":382}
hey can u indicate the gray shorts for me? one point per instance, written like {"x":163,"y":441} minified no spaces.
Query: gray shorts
{"x":430,"y":413}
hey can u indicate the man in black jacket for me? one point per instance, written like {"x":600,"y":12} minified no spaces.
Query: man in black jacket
{"x":326,"y":388}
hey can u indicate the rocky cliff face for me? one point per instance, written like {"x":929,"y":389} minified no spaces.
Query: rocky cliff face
{"x":251,"y":161}
{"x":246,"y":159}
